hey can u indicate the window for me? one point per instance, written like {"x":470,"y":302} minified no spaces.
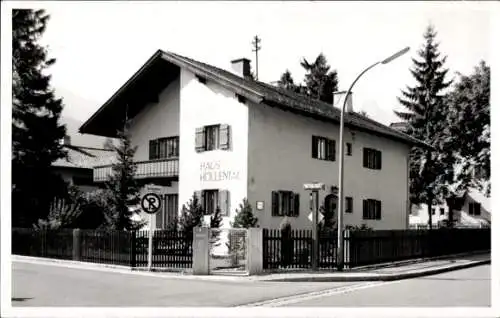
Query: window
{"x":213,"y":198}
{"x":348,"y":149}
{"x":474,"y":208}
{"x":323,"y":148}
{"x":83,"y":181}
{"x":285,"y":203}
{"x":169,"y":209}
{"x":372,"y":209}
{"x":372,"y":159}
{"x":164,"y":148}
{"x":441,"y":211}
{"x":212,"y":138}
{"x":348,"y":204}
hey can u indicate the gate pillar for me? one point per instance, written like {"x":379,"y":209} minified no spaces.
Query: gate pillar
{"x":255,"y":251}
{"x":201,"y":251}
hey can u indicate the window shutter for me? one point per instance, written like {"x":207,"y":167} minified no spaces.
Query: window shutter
{"x":331,"y":150}
{"x":471,"y":208}
{"x":200,"y":139}
{"x":199,"y":196}
{"x":225,"y":137}
{"x":296,"y":204}
{"x":152,"y":149}
{"x":275,"y":203}
{"x":365,"y":209}
{"x":159,"y":214}
{"x":224,"y":202}
{"x":379,"y":210}
{"x":314,"y":147}
{"x":379,"y":155}
{"x":365,"y":159}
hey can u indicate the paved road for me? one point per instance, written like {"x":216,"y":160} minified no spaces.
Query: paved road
{"x":468,"y":288}
{"x":47,"y":285}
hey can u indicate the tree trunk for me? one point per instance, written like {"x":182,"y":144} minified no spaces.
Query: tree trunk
{"x":429,"y":211}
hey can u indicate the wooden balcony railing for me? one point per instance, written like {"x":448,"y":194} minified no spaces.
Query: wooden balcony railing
{"x":160,"y":168}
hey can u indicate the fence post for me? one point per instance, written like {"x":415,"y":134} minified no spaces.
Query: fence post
{"x":201,"y":251}
{"x":133,"y":246}
{"x":255,"y":251}
{"x":76,"y":245}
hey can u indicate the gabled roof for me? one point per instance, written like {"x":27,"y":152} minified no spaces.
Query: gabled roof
{"x":257,"y":92}
{"x":85,"y":157}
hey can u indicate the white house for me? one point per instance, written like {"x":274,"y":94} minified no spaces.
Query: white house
{"x":474,"y":211}
{"x":219,"y":134}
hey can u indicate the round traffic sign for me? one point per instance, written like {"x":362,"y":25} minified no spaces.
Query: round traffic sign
{"x":151,"y":203}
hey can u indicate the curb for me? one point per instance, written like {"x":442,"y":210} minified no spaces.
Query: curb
{"x":379,"y":277}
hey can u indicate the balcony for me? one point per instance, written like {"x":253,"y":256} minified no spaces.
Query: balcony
{"x":151,"y":169}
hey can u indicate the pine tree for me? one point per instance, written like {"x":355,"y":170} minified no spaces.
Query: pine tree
{"x":215,"y":224}
{"x":244,"y":216}
{"x":122,"y":185}
{"x":36,"y":128}
{"x":191,"y":215}
{"x":320,"y":82}
{"x":426,"y":119}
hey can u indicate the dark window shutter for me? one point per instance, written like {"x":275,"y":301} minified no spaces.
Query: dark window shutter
{"x":275,"y":203}
{"x":153,"y":149}
{"x":225,"y":137}
{"x":296,"y":205}
{"x":365,"y":157}
{"x":331,"y":150}
{"x":379,"y":157}
{"x":365,"y":209}
{"x":200,"y":139}
{"x":379,"y":210}
{"x":471,"y":209}
{"x":314,"y":147}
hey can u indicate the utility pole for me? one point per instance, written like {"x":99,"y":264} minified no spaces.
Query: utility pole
{"x":256,"y":48}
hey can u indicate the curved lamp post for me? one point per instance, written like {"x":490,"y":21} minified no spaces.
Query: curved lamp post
{"x":340,"y":221}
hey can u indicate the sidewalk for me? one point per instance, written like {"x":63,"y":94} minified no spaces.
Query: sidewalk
{"x":385,"y":272}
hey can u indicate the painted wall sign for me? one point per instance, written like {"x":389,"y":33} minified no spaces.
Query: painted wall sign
{"x":214,"y":171}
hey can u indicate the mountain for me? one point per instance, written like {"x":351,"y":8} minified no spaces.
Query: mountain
{"x":76,"y":110}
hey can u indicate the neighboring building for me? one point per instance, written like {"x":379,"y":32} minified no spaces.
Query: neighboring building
{"x":475,"y":211}
{"x":400,"y":126}
{"x":200,"y":129}
{"x":77,"y":169}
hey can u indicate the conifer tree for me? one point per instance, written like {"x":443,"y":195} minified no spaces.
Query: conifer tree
{"x":36,"y":127}
{"x":244,"y":216}
{"x":123,"y":187}
{"x":320,"y":82}
{"x":425,"y":117}
{"x":191,"y":215}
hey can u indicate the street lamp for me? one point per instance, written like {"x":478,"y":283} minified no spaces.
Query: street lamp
{"x":340,"y":221}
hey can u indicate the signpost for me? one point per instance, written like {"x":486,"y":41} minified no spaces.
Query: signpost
{"x":151,"y":203}
{"x":314,"y":204}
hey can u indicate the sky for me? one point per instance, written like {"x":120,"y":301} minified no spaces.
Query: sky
{"x":99,"y":45}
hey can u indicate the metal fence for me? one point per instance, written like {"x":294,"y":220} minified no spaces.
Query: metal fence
{"x":368,"y":247}
{"x":105,"y":247}
{"x":228,"y":250}
{"x":170,"y":249}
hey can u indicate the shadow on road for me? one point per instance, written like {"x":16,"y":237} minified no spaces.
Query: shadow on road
{"x":21,"y":298}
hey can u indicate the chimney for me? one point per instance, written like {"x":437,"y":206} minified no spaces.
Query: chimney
{"x":241,"y":67}
{"x":66,"y":140}
{"x":338,"y":100}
